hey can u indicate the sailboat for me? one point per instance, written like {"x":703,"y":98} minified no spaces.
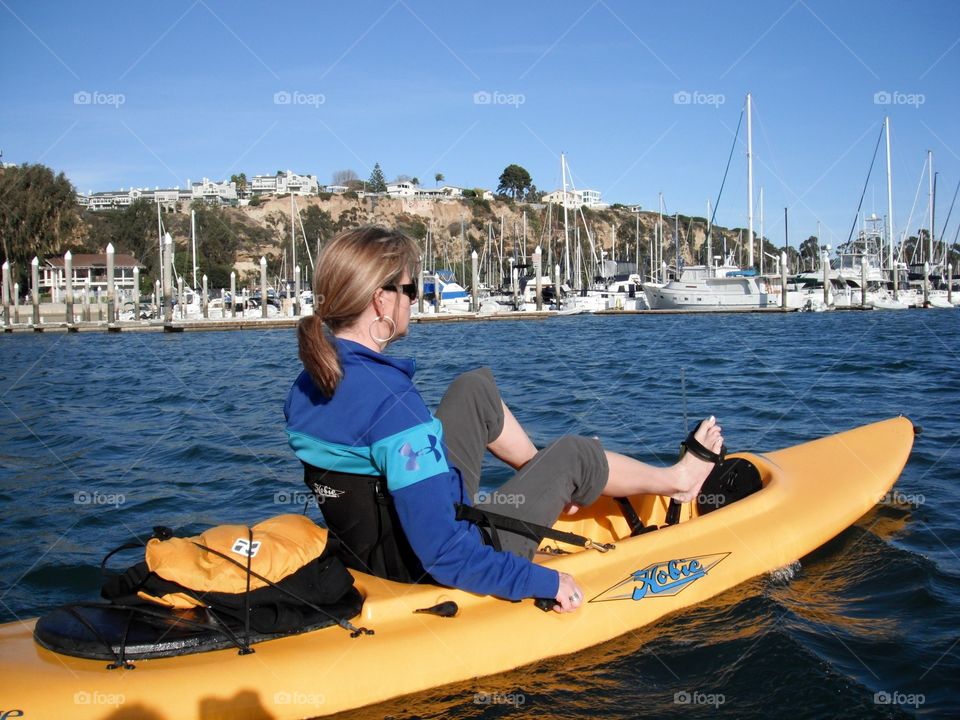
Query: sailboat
{"x":722,"y":287}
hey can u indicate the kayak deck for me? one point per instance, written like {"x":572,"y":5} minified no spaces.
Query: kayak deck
{"x":811,"y":493}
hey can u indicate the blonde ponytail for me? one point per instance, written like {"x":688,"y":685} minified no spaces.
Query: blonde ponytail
{"x":318,"y":355}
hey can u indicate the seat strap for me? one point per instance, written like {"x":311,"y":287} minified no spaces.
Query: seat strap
{"x":496,"y":522}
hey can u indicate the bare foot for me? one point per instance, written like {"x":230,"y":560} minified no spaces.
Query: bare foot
{"x":691,"y":471}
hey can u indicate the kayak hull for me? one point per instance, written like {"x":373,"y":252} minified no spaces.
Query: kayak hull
{"x":811,"y":493}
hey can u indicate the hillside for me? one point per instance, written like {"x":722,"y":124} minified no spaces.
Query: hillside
{"x":479,"y":218}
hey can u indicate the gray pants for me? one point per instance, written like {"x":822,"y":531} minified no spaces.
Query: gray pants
{"x":571,"y":469}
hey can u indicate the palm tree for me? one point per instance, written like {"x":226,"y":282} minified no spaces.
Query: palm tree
{"x":439,"y":178}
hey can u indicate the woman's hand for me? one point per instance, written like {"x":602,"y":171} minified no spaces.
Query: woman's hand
{"x":569,"y":596}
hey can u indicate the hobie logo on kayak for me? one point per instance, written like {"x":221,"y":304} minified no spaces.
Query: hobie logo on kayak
{"x":662,"y":579}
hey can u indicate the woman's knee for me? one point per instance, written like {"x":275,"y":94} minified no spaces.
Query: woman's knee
{"x":585,"y":460}
{"x":477,"y":382}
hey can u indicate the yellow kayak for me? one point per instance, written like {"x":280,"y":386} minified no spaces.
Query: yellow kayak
{"x":811,"y":492}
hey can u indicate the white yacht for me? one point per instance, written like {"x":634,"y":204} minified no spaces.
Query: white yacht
{"x":719,"y":288}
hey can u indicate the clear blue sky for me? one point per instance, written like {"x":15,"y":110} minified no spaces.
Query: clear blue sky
{"x":398,"y":79}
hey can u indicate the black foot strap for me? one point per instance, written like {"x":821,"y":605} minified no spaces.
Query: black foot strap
{"x":699,"y":450}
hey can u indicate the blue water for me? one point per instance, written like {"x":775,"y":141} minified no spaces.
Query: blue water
{"x":103,"y":436}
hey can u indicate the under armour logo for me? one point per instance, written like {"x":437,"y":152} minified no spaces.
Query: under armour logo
{"x":408,"y":452}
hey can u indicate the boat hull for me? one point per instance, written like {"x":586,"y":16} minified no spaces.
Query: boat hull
{"x":715,"y":295}
{"x":641,"y":580}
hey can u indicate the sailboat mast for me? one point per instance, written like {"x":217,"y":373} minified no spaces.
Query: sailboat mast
{"x":676,"y":243}
{"x":659,"y":252}
{"x":929,"y":257}
{"x":761,"y":230}
{"x":893,"y":270}
{"x":566,"y":231}
{"x":293,"y":241}
{"x":160,"y":246}
{"x":749,"y":182}
{"x":193,"y":244}
{"x":709,"y":262}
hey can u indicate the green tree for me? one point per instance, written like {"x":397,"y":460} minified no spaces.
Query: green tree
{"x":439,"y":178}
{"x":241,"y":182}
{"x":515,"y":182}
{"x":317,"y":223}
{"x":810,"y":253}
{"x":38,"y":215}
{"x":377,"y":183}
{"x":415,"y":181}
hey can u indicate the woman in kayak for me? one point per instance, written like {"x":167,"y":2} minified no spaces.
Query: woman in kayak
{"x":356,"y":421}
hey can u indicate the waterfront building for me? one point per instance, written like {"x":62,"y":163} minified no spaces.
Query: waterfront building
{"x":92,"y":267}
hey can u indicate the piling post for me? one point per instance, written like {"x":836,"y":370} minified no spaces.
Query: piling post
{"x":35,"y":288}
{"x":437,"y":293}
{"x":233,"y":293}
{"x":205,"y":298}
{"x":68,"y":280}
{"x":926,"y":283}
{"x":863,"y":282}
{"x":950,"y":283}
{"x":16,"y":303}
{"x":6,"y":293}
{"x":537,"y":259}
{"x":419,"y":288}
{"x":825,"y":266}
{"x":296,"y":291}
{"x":167,"y":295}
{"x":474,"y":283}
{"x":263,"y":287}
{"x":136,"y":293}
{"x":97,"y":295}
{"x":157,"y":300}
{"x":111,"y":287}
{"x":783,"y":280}
{"x":180,"y":298}
{"x":556,"y":284}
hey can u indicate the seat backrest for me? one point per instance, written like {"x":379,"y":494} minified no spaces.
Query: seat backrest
{"x":359,"y":511}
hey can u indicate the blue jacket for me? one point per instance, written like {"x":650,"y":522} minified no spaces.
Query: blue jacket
{"x":376,"y":423}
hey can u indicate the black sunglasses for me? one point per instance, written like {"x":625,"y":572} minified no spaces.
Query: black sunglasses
{"x":408,"y":289}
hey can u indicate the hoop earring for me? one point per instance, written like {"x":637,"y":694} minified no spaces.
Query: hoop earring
{"x":393,"y":330}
